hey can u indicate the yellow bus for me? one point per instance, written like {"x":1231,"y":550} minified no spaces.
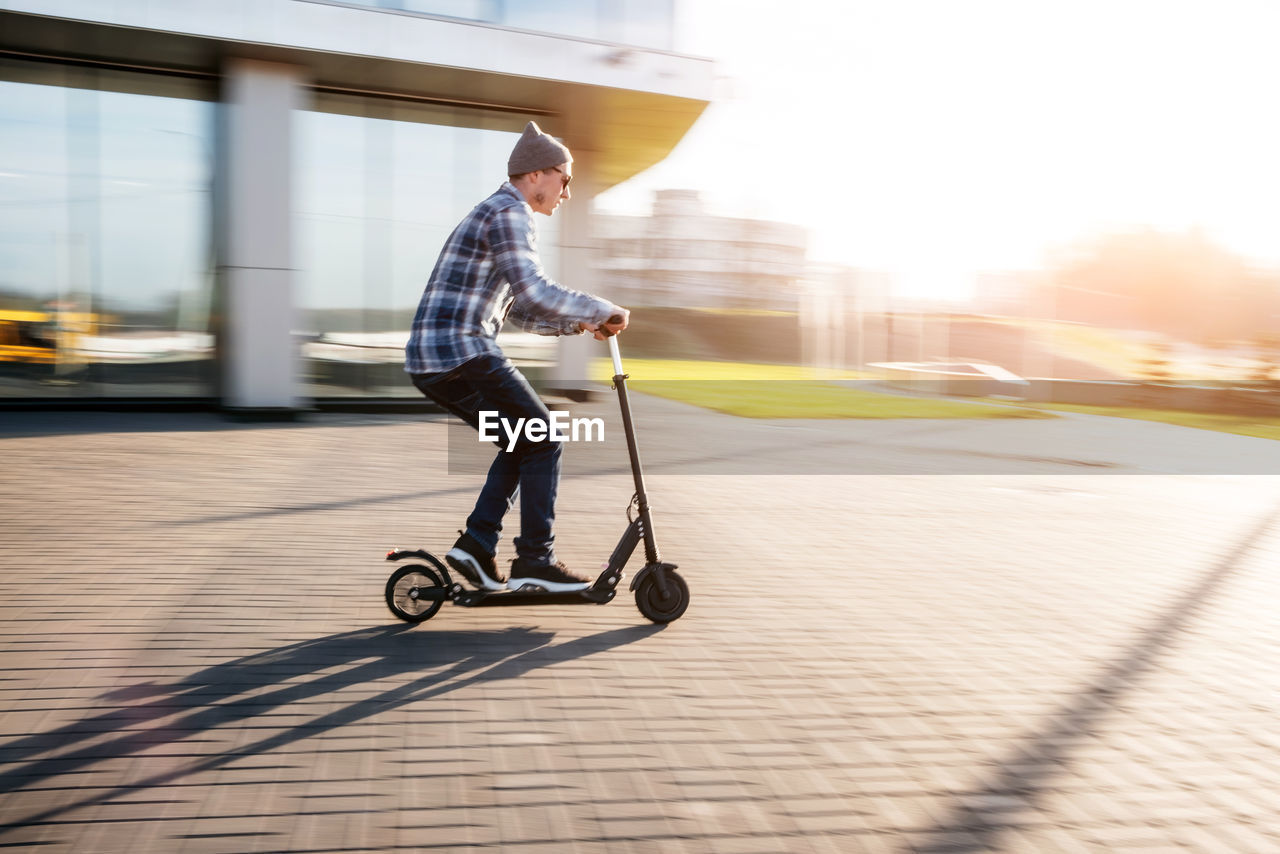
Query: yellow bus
{"x":44,"y":337}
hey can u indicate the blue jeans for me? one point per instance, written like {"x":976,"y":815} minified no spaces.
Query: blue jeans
{"x":492,"y":384}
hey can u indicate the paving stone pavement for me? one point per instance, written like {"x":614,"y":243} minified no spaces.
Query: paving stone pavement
{"x":197,"y":657}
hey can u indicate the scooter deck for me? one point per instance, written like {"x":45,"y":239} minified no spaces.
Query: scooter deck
{"x":489,"y":598}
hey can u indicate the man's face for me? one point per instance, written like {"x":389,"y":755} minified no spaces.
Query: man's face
{"x":550,"y":188}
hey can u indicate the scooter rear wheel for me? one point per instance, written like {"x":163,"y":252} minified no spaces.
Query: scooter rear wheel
{"x":404,"y":589}
{"x":651,"y":603}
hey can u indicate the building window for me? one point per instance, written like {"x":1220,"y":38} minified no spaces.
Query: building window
{"x":381,"y":184}
{"x":106,"y":277}
{"x":642,"y":23}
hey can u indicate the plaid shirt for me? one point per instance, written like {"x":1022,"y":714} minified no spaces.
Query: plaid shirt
{"x":488,"y":268}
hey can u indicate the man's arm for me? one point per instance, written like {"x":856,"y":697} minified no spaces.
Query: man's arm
{"x":539,"y":301}
{"x":527,"y":323}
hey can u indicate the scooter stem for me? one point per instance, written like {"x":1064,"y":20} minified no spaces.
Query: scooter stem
{"x":641,"y":497}
{"x":613,"y":351}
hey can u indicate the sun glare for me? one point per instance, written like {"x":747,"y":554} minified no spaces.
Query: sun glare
{"x":939,"y":140}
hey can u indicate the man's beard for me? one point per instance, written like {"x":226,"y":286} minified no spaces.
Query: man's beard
{"x":540,"y":198}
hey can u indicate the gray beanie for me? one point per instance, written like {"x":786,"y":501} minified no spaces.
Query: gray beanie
{"x":535,"y":151}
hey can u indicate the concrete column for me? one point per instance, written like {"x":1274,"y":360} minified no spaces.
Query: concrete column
{"x":576,"y":255}
{"x":260,"y":362}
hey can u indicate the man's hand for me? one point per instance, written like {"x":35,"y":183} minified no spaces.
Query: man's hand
{"x":610,"y":327}
{"x":613,"y":325}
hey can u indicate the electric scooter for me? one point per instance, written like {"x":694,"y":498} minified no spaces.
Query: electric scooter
{"x":416,"y":591}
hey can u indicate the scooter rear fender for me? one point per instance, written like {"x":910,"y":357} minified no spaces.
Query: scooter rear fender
{"x":401,"y":554}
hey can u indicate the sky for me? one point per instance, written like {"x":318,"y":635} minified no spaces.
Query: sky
{"x":935,"y":139}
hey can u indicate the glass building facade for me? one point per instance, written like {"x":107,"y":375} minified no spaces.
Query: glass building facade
{"x":642,"y":23}
{"x":203,"y":205}
{"x":106,"y":267}
{"x":106,"y":199}
{"x":381,"y":184}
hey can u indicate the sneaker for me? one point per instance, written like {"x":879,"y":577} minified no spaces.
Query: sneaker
{"x":474,"y":563}
{"x":551,"y":577}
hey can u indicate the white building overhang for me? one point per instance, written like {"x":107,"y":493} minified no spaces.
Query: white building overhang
{"x":629,"y":106}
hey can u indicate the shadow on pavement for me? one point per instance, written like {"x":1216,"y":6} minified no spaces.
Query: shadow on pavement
{"x":321,"y":506}
{"x":978,"y":817}
{"x":231,"y":693}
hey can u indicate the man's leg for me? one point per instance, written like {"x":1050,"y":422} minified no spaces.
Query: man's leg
{"x":539,"y":477}
{"x":492,"y":384}
{"x":532,"y":466}
{"x":503,"y":389}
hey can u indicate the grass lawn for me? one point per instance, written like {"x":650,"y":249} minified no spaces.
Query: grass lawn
{"x":787,"y":391}
{"x":753,"y":390}
{"x":703,"y":371}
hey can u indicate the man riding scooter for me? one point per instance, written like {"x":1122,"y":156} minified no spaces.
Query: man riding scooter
{"x":488,"y":272}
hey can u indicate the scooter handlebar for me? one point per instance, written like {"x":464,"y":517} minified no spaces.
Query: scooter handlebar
{"x":615,"y":319}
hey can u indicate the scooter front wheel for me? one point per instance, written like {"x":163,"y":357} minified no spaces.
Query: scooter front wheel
{"x":655,"y":606}
{"x":415,"y":593}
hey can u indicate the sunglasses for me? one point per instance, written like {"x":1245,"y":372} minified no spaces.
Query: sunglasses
{"x":564,"y":179}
